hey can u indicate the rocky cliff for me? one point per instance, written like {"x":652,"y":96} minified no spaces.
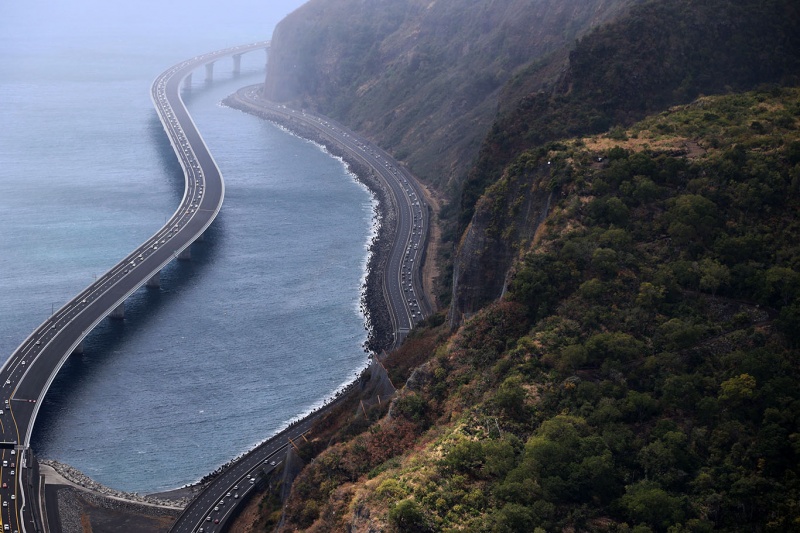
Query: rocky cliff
{"x":660,"y":54}
{"x":420,"y":77}
{"x":638,"y":370}
{"x":506,"y":220}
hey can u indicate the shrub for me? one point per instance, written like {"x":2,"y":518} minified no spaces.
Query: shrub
{"x":407,"y":516}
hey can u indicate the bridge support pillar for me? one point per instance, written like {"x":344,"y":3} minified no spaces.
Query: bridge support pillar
{"x":79,"y":348}
{"x":237,"y":64}
{"x":209,"y":72}
{"x":155,"y":280}
{"x":187,"y":82}
{"x":186,"y":254}
{"x":119,"y":312}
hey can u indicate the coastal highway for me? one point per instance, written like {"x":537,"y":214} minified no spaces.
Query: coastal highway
{"x":210,"y":510}
{"x":401,"y":277}
{"x":27,"y":374}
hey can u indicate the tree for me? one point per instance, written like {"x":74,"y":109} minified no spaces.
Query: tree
{"x":789,"y":323}
{"x":738,"y":389}
{"x":407,"y":516}
{"x":691,"y":218}
{"x":569,"y":463}
{"x":605,"y":261}
{"x":466,"y":457}
{"x":782,"y":284}
{"x":513,"y":518}
{"x":713,"y":275}
{"x":650,"y":296}
{"x":647,"y":502}
{"x":510,"y":398}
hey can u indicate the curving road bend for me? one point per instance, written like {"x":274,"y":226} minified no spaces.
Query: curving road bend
{"x":211,"y":510}
{"x":402,"y":284}
{"x":28,"y":373}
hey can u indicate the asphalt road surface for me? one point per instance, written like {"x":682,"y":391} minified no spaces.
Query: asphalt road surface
{"x":401,"y":279}
{"x":211,"y":509}
{"x":27,"y":374}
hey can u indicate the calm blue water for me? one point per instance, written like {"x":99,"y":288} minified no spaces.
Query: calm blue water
{"x":258,"y":328}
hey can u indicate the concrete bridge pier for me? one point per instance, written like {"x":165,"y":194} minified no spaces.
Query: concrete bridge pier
{"x":186,"y":254}
{"x":237,"y":64}
{"x":119,"y":312}
{"x":155,"y":281}
{"x":187,"y":82}
{"x":209,"y":72}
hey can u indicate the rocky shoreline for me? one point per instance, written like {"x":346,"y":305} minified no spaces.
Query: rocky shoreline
{"x":374,"y":305}
{"x":380,"y":337}
{"x":79,"y":479}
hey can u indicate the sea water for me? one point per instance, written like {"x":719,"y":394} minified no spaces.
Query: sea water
{"x":259,"y":327}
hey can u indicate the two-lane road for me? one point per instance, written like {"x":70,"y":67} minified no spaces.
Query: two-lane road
{"x":401,"y":278}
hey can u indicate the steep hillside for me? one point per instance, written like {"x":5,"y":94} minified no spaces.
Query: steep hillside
{"x":420,"y":77}
{"x":624,"y":349}
{"x":640,"y":373}
{"x":662,"y":53}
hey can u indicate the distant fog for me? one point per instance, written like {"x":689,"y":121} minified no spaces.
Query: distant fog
{"x":173,"y":25}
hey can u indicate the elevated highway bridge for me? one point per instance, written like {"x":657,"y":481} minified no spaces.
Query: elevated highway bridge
{"x":28,"y":373}
{"x":30,"y":370}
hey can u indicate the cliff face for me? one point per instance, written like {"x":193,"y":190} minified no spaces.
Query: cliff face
{"x":660,"y":54}
{"x":506,"y":219}
{"x":648,"y":333}
{"x":420,"y":77}
{"x":641,"y":368}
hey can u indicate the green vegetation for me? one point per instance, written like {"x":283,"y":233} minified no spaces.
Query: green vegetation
{"x":663,"y":53}
{"x":641,"y":372}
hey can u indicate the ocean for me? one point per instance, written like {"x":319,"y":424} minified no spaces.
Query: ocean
{"x":260,"y":326}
